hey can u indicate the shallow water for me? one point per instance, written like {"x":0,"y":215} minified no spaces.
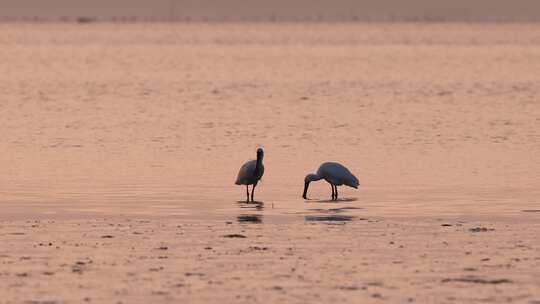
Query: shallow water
{"x":155,"y":120}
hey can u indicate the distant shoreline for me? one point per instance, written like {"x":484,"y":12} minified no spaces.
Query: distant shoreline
{"x":127,"y":20}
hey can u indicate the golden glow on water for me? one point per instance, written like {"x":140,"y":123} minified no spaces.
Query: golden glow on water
{"x":123,"y":115}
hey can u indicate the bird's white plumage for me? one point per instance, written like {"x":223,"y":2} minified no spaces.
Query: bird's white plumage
{"x":250,"y":173}
{"x":337,"y":175}
{"x":247,"y":174}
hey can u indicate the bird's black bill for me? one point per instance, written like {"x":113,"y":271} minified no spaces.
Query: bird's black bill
{"x":306,"y":185}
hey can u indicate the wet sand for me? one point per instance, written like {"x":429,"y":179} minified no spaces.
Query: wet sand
{"x":121,"y":144}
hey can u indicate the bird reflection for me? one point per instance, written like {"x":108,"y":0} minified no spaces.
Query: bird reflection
{"x":250,"y":218}
{"x":251,"y":205}
{"x":339,"y":200}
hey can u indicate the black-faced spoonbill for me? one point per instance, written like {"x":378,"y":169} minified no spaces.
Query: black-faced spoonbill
{"x":335,"y":174}
{"x":250,"y":173}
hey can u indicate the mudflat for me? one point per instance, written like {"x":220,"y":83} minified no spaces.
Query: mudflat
{"x":121,"y":142}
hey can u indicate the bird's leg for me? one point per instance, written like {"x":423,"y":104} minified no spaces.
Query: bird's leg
{"x":253,"y":191}
{"x":332,"y":191}
{"x":336,"y":192}
{"x":247,"y":193}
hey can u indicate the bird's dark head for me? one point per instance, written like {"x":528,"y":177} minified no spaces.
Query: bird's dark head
{"x":308,"y":179}
{"x":260,"y":153}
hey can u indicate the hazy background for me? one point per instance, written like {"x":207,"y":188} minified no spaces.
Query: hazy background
{"x":263,"y":10}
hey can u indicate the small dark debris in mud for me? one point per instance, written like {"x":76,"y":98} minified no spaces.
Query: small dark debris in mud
{"x":207,"y":248}
{"x":485,"y":259}
{"x":17,"y":233}
{"x":228,"y":222}
{"x":328,"y":218}
{"x":194,"y":274}
{"x":277,"y":288}
{"x":481,"y":229}
{"x":107,"y":236}
{"x":22,"y":274}
{"x":160,"y":293}
{"x":469,"y":269}
{"x":258,"y":248}
{"x":77,"y":269}
{"x":531,"y":210}
{"x":137,"y":233}
{"x":235,"y":235}
{"x":447,"y":225}
{"x":375,"y":284}
{"x":163,"y":248}
{"x":48,"y":273}
{"x":376,"y":295}
{"x":347,"y":287}
{"x":79,"y":266}
{"x":476,"y":280}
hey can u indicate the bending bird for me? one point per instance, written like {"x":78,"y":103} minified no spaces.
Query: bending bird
{"x":335,"y":174}
{"x":250,"y":173}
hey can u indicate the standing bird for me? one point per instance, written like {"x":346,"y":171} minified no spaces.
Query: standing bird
{"x":250,"y":173}
{"x":335,"y":174}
